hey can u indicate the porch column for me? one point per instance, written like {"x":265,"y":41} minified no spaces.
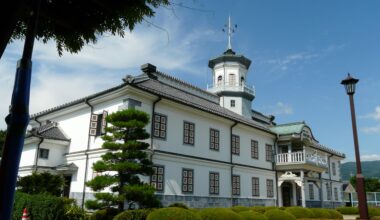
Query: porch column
{"x":303,"y":198}
{"x":294,"y":190}
{"x":289,"y":153}
{"x":279,"y":190}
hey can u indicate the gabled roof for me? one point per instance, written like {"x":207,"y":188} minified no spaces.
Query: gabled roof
{"x":48,"y":131}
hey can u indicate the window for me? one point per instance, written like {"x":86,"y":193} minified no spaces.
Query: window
{"x":235,"y":185}
{"x":328,"y":190}
{"x":333,"y":169}
{"x":160,"y":125}
{"x":220,"y":80}
{"x":98,"y":124}
{"x":254,"y":149}
{"x":235,"y":142}
{"x":187,"y":180}
{"x":232,"y":79}
{"x":311,"y":192}
{"x":268,"y":152}
{"x":270,"y":189}
{"x":157,"y":179}
{"x":214,"y":139}
{"x":232,"y":103}
{"x":255,"y":186}
{"x":43,"y":153}
{"x":214,"y":183}
{"x":188,"y":133}
{"x":336,"y":194}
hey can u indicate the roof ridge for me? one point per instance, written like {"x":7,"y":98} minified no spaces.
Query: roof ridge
{"x":291,"y":123}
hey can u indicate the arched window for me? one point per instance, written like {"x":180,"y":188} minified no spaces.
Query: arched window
{"x":219,"y":80}
{"x":242,"y":80}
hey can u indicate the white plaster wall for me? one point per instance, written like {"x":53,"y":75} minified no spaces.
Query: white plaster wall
{"x":247,"y":134}
{"x":315,"y":190}
{"x":28,"y":155}
{"x":56,"y":155}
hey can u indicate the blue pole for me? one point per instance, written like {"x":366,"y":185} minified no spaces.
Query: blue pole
{"x":17,"y":120}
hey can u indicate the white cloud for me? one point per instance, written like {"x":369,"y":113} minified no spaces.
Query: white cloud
{"x":375,"y":115}
{"x":56,"y":80}
{"x":284,"y":63}
{"x":372,"y":129}
{"x":370,"y":157}
{"x":279,"y":108}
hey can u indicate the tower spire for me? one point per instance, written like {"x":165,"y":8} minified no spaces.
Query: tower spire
{"x":229,"y":29}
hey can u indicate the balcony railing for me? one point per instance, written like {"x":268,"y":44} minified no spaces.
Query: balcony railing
{"x":301,"y":157}
{"x":235,"y":87}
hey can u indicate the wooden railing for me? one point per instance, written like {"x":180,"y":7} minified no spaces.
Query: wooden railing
{"x":301,"y":157}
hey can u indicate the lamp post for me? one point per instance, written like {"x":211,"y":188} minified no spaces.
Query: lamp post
{"x":349,"y":84}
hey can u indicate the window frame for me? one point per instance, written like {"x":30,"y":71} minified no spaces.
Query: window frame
{"x":311,"y":191}
{"x":270,"y":188}
{"x":189,"y":133}
{"x":268,"y":153}
{"x":235,"y":144}
{"x":156,"y":176}
{"x":160,"y":123}
{"x":41,"y":155}
{"x":255,"y":186}
{"x":333,"y":167}
{"x":187,"y":178}
{"x":254,"y":149}
{"x":336,"y":194}
{"x":214,"y":139}
{"x":215,"y":182}
{"x":232,"y":103}
{"x":236,"y":189}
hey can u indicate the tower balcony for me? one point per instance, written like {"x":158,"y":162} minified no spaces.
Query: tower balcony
{"x":231,"y":87}
{"x":301,"y":160}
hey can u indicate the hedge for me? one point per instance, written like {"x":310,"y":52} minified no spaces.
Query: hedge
{"x":276,"y":214}
{"x":138,"y":214}
{"x":179,"y":205}
{"x":219,"y":214}
{"x":320,"y":213}
{"x":348,"y":210}
{"x":173,"y":213}
{"x":334,"y":214}
{"x":259,"y":209}
{"x":104,"y":214}
{"x":251,"y":215}
{"x":238,"y":209}
{"x":299,"y":212}
{"x":39,"y":206}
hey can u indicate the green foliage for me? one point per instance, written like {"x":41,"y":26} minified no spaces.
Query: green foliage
{"x":251,"y":215}
{"x":39,"y":206}
{"x":72,"y":211}
{"x":373,"y":211}
{"x":179,"y":205}
{"x":334,"y":214}
{"x":126,"y":159}
{"x":173,"y":213}
{"x":38,"y":183}
{"x":240,"y":208}
{"x":2,"y":140}
{"x":348,"y":210}
{"x":87,"y":20}
{"x":277,"y":214}
{"x":138,"y":214}
{"x":299,"y":212}
{"x":371,"y":184}
{"x":320,"y":213}
{"x":219,"y":214}
{"x":259,"y":209}
{"x":104,"y":214}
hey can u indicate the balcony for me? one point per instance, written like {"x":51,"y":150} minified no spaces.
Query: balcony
{"x":301,"y":159}
{"x":231,"y":87}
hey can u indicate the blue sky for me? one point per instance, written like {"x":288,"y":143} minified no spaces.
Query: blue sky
{"x":300,"y":51}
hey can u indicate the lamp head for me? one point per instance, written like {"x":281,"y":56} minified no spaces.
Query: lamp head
{"x":349,"y":84}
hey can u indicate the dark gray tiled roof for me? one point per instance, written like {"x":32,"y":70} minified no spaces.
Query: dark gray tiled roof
{"x":48,"y":131}
{"x":189,"y":99}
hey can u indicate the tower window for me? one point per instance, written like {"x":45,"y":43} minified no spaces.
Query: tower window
{"x":232,"y":79}
{"x":219,"y":80}
{"x":232,"y":103}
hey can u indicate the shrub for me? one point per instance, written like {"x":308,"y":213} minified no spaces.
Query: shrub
{"x":320,"y":213}
{"x":348,"y":210}
{"x":240,"y":208}
{"x":334,"y":214}
{"x":219,"y":214}
{"x":39,"y":206}
{"x":138,"y":214}
{"x":373,"y":212}
{"x":41,"y":183}
{"x":179,"y":205}
{"x":299,"y":212}
{"x":173,"y":213}
{"x":104,"y":214}
{"x":251,"y":215}
{"x":375,"y":218}
{"x":259,"y":209}
{"x":276,"y":214}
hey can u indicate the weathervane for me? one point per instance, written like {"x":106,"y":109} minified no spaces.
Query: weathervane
{"x":230,"y":30}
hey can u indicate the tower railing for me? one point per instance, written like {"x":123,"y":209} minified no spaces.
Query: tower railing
{"x":234,"y":87}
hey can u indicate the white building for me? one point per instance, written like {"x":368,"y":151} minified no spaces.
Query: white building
{"x":209,"y":147}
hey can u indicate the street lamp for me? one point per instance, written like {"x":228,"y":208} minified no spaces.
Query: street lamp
{"x":349,"y":84}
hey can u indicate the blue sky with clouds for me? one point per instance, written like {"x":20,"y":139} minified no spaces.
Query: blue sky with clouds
{"x":300,"y":51}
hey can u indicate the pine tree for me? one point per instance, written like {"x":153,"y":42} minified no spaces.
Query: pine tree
{"x":125,"y":160}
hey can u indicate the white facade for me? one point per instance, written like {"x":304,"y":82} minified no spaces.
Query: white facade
{"x":244,"y":168}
